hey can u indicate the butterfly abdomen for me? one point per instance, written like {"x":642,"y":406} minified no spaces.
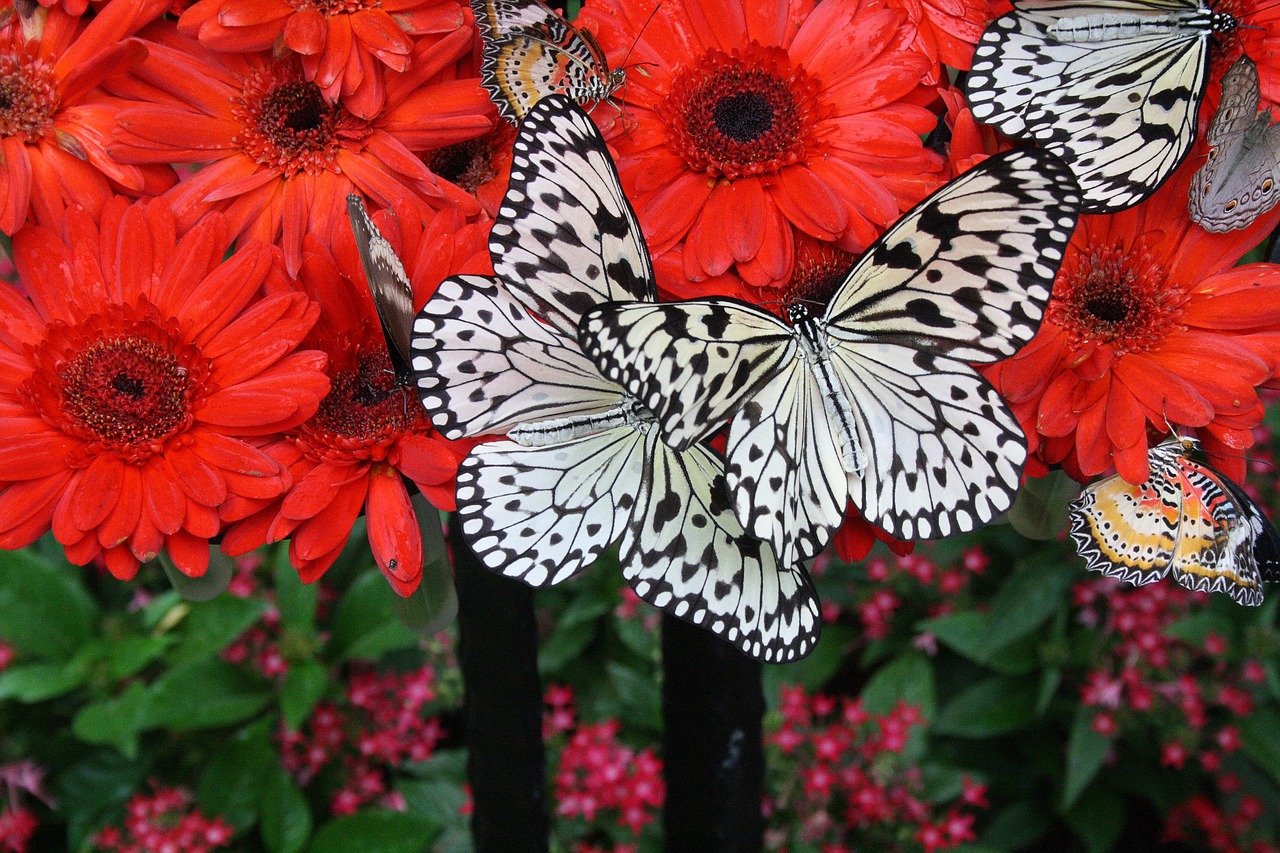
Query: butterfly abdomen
{"x":1111,"y":26}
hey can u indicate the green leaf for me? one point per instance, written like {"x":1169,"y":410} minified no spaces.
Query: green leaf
{"x":116,"y":721}
{"x":1017,"y":827}
{"x":211,"y":626}
{"x":304,"y":684}
{"x":1195,"y":628}
{"x":1026,"y":600}
{"x":564,"y":645}
{"x":286,"y":818}
{"x":365,"y":624}
{"x":129,"y":655}
{"x":1041,"y":507}
{"x":45,"y":611}
{"x":295,"y":600}
{"x":1086,"y":751}
{"x":94,"y":789}
{"x":991,"y":707}
{"x":639,"y":694}
{"x":965,"y":632}
{"x":383,"y":831}
{"x":907,"y":678}
{"x":434,"y":604}
{"x":205,"y":694}
{"x":234,"y":782}
{"x":206,"y":587}
{"x":440,"y":800}
{"x":816,"y":669}
{"x":1258,"y":739}
{"x":1098,"y":818}
{"x":36,"y":682}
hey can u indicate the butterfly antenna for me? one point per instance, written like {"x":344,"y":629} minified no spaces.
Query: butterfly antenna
{"x":623,"y":65}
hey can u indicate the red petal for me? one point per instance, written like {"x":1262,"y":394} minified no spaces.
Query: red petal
{"x":425,"y":460}
{"x":190,"y":554}
{"x":393,"y":530}
{"x":96,"y":491}
{"x":306,"y":32}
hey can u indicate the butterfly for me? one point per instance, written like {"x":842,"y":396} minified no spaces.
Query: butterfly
{"x":1187,"y":520}
{"x":1112,"y":86}
{"x":531,"y":52}
{"x":1238,"y":182}
{"x":582,"y":464}
{"x":389,"y":285}
{"x":873,"y":399}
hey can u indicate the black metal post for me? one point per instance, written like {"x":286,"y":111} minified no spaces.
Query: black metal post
{"x":713,"y":708}
{"x":502,"y":707}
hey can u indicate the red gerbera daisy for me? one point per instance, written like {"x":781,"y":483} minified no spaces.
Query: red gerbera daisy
{"x":343,"y":44}
{"x":750,"y":122}
{"x":54,"y":117}
{"x":947,"y":30}
{"x":368,"y":431}
{"x":1149,"y":326}
{"x":479,"y":166}
{"x":133,"y":379}
{"x":284,"y":158}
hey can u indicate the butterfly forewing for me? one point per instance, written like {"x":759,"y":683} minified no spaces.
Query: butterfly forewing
{"x":1112,"y":86}
{"x":566,"y":239}
{"x":484,"y":365}
{"x":1238,"y":181}
{"x":692,"y":364}
{"x":685,"y":552}
{"x":388,"y":283}
{"x":968,"y":271}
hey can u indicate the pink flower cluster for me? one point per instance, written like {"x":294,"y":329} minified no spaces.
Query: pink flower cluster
{"x":598,"y":775}
{"x":1148,"y":677}
{"x":165,"y":822}
{"x":381,"y":725}
{"x":1203,"y":822}
{"x":17,"y":825}
{"x":846,"y":785}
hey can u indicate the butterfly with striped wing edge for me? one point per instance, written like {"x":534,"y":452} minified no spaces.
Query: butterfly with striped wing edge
{"x":873,"y":400}
{"x":1111,"y":86}
{"x":1187,"y":520}
{"x":531,"y":52}
{"x":582,"y":464}
{"x":1237,"y":184}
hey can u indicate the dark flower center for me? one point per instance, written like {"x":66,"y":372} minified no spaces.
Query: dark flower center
{"x":123,"y":380}
{"x":471,"y":163}
{"x":364,"y":413}
{"x":289,"y":124}
{"x":819,"y":270}
{"x":745,"y":113}
{"x":28,"y":94}
{"x":1118,"y":297}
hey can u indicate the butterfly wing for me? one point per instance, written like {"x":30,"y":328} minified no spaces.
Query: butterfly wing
{"x":566,"y":238}
{"x":542,"y":514}
{"x":968,"y":271}
{"x":1217,"y":535}
{"x":389,"y":284}
{"x":691,"y":363}
{"x":1238,"y":181}
{"x":484,"y":365}
{"x":1112,"y":86}
{"x":944,"y":453}
{"x":685,"y":552}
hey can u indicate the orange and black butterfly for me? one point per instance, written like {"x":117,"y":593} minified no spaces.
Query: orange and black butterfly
{"x":1187,"y":520}
{"x":531,"y":52}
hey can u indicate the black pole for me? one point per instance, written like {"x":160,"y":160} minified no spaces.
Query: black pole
{"x":713,"y":707}
{"x":502,"y":706}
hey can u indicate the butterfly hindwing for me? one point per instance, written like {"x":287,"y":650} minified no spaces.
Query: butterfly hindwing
{"x":388,"y":283}
{"x":566,"y":238}
{"x":685,"y":553}
{"x":484,"y":365}
{"x":1187,"y":520}
{"x":968,"y":271}
{"x":1112,"y":86}
{"x":1237,"y":183}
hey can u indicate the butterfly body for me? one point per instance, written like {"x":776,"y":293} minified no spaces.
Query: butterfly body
{"x":1187,"y":520}
{"x":582,"y":465}
{"x":1238,"y":181}
{"x":1111,"y":86}
{"x":872,"y":401}
{"x":530,"y":52}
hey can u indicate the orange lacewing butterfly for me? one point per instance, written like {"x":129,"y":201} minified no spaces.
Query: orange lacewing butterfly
{"x":1187,"y":520}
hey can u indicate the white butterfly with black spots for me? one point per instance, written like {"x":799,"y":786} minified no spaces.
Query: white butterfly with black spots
{"x":873,"y":400}
{"x":388,"y":283}
{"x":1111,"y":86}
{"x":1187,"y":520}
{"x":582,"y":464}
{"x":1237,"y":184}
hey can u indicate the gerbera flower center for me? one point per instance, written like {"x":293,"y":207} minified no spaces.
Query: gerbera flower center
{"x":364,"y":413}
{"x":818,"y":271}
{"x":334,"y":7}
{"x":125,"y":381}
{"x":28,"y":97}
{"x":1116,"y":297}
{"x":467,"y":164}
{"x":288,"y":123}
{"x":739,"y":114}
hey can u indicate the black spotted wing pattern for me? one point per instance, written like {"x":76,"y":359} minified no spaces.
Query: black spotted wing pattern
{"x":388,"y":283}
